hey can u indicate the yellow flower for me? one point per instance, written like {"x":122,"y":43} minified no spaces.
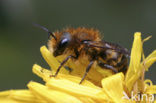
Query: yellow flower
{"x":65,"y":88}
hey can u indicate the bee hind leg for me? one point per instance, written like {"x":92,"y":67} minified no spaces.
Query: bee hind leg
{"x":107,"y":66}
{"x":87,"y":70}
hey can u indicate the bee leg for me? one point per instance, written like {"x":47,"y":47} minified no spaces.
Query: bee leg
{"x":110,"y":67}
{"x":87,"y":70}
{"x":62,"y":63}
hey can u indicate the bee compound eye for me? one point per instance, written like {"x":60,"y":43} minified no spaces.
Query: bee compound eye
{"x":64,"y":41}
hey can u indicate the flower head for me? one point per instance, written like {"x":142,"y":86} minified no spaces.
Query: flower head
{"x":65,"y":88}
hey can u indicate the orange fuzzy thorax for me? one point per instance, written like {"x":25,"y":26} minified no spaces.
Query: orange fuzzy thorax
{"x":77,"y":34}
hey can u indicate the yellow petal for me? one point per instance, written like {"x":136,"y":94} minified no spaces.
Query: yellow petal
{"x":46,"y":75}
{"x":113,"y":87}
{"x":148,"y":81}
{"x":151,"y":89}
{"x":77,"y":80}
{"x":5,"y":93}
{"x":72,"y":88}
{"x":149,"y":37}
{"x":51,"y":60}
{"x":19,"y":96}
{"x":41,"y":72}
{"x":133,"y":72}
{"x":5,"y":97}
{"x":25,"y":96}
{"x":51,"y":95}
{"x":144,"y":40}
{"x":87,"y":100}
{"x":8,"y":100}
{"x":75,"y":89}
{"x":150,"y":60}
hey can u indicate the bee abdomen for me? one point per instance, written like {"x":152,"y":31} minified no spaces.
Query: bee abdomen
{"x":119,"y":63}
{"x":123,"y":64}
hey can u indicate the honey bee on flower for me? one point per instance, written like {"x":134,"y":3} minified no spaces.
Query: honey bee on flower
{"x":79,"y":43}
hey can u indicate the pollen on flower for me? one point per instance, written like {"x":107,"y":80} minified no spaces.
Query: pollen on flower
{"x":65,"y":88}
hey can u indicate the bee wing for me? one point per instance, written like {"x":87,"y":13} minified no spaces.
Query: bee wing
{"x":107,"y":45}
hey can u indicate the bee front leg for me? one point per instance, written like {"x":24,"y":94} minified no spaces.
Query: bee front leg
{"x":62,"y":63}
{"x":87,"y":70}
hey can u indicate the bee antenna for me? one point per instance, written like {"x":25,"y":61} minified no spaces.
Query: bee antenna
{"x":45,"y":29}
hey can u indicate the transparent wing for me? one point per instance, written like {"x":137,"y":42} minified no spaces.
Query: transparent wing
{"x":107,"y":45}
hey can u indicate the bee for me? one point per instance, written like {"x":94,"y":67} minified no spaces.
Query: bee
{"x":76,"y":43}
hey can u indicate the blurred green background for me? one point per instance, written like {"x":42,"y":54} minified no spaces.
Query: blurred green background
{"x":20,"y":41}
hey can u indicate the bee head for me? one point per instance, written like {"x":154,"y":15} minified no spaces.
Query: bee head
{"x":62,"y":44}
